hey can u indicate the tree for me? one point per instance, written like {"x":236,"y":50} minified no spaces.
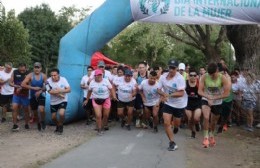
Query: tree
{"x":46,"y":30}
{"x":148,"y":41}
{"x":14,"y":40}
{"x":208,"y":39}
{"x":246,"y":41}
{"x":73,"y":14}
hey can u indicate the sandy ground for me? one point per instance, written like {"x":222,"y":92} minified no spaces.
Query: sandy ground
{"x":31,"y":149}
{"x":234,"y":148}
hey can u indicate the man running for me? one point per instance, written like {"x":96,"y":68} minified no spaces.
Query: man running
{"x":141,"y":75}
{"x":35,"y":81}
{"x":21,"y":95}
{"x":172,"y":87}
{"x":151,"y":98}
{"x":213,"y":88}
{"x":58,"y":87}
{"x":84,"y":85}
{"x":6,"y":90}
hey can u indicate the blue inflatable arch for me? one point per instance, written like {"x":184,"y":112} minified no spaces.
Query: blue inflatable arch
{"x":78,"y":45}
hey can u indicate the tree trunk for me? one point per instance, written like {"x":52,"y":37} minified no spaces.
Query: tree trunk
{"x":246,"y":41}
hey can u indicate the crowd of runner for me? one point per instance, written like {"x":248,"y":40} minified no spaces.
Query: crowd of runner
{"x":144,"y":97}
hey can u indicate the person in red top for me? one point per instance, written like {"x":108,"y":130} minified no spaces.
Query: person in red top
{"x":21,"y":95}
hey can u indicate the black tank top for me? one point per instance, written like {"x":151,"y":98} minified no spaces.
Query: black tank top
{"x":193,"y":96}
{"x":18,"y":79}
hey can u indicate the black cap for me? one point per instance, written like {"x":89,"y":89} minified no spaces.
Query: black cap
{"x":173,"y":63}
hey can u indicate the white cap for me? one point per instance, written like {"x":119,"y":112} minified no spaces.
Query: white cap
{"x":182,"y":66}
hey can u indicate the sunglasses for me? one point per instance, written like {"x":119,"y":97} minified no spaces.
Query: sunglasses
{"x":192,"y":75}
{"x":89,"y":69}
{"x":36,"y":67}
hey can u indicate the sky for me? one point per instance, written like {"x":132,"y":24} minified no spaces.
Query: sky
{"x":56,"y":5}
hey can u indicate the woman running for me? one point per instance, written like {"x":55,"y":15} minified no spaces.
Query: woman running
{"x":193,"y":109}
{"x":100,"y":89}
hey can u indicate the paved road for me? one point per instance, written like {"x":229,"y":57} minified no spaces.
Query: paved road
{"x":119,"y":148}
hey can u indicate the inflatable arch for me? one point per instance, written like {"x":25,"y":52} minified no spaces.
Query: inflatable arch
{"x":78,"y":45}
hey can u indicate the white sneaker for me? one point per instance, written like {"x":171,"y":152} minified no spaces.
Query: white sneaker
{"x":137,"y":123}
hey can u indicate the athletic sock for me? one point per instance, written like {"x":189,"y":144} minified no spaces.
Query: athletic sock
{"x":206,"y":133}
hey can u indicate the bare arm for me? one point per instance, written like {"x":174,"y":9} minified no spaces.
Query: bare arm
{"x":202,"y":87}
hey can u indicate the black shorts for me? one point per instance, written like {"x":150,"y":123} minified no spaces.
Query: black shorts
{"x":193,"y":107}
{"x":89,"y":105}
{"x":36,"y":102}
{"x":226,"y":108}
{"x":55,"y":108}
{"x":176,"y":112}
{"x":215,"y":109}
{"x":149,"y":108}
{"x":121,"y":104}
{"x":138,"y":102}
{"x":5,"y":99}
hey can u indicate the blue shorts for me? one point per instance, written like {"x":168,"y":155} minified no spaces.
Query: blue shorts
{"x":24,"y":101}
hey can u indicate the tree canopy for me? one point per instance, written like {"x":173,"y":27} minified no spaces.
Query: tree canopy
{"x":14,"y":40}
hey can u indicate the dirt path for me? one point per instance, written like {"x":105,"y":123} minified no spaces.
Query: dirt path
{"x":30,"y":149}
{"x":235,"y":148}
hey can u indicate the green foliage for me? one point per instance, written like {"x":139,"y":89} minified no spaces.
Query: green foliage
{"x":148,"y":41}
{"x":14,"y":45}
{"x":45,"y":31}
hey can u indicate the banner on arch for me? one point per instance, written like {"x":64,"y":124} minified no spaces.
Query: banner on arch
{"x":222,"y":12}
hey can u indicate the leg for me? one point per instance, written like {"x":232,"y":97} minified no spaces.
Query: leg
{"x":189,"y":116}
{"x":106,"y":112}
{"x":42,"y":113}
{"x":206,"y":115}
{"x":167,"y":118}
{"x":155,"y":116}
{"x":54,"y":118}
{"x":62,"y":116}
{"x":98,"y":114}
{"x":129,"y":115}
{"x":15,"y":113}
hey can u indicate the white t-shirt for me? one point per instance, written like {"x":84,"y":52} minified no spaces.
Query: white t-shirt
{"x":107,"y":75}
{"x":6,"y":89}
{"x":125,"y":90}
{"x":150,"y":93}
{"x":100,"y":89}
{"x":61,"y":84}
{"x":84,"y":82}
{"x":117,"y":79}
{"x":171,"y":86}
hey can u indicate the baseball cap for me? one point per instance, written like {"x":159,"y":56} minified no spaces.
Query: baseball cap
{"x":128,"y":72}
{"x":173,"y":63}
{"x":182,"y":66}
{"x":98,"y":72}
{"x":37,"y":64}
{"x":101,"y":64}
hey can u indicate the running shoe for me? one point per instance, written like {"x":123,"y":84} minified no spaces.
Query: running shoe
{"x":250,"y":129}
{"x":225,"y":127}
{"x":15,"y":128}
{"x":155,"y":129}
{"x":39,"y":126}
{"x":26,"y":126}
{"x":100,"y":133}
{"x":3,"y":120}
{"x":172,"y":146}
{"x":128,"y":127}
{"x":212,"y":141}
{"x":175,"y":130}
{"x":106,"y":128}
{"x":205,"y":143}
{"x":197,"y":127}
{"x":144,"y":126}
{"x":122,"y":123}
{"x":193,"y":134}
{"x":138,"y":123}
{"x":43,"y":124}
